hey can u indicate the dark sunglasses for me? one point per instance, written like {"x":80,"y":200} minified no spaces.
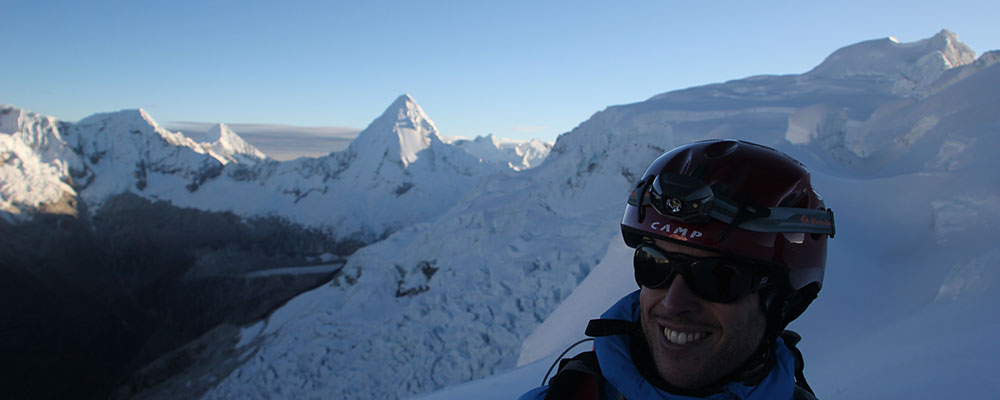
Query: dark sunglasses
{"x":715,"y":279}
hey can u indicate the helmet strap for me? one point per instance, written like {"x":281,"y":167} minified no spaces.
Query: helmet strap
{"x":760,"y":362}
{"x":746,"y":211}
{"x":780,"y":307}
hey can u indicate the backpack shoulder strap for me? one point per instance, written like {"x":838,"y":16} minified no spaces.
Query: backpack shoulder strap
{"x":802,"y":389}
{"x":801,"y":393}
{"x":578,"y":378}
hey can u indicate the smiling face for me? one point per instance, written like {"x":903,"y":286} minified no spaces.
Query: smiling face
{"x":695,"y":342}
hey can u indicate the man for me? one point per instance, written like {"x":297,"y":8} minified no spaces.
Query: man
{"x":730,"y":246}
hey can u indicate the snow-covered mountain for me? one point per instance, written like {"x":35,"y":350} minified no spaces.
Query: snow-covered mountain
{"x":396,"y":173}
{"x":518,"y":155}
{"x":909,"y":67}
{"x":231,"y":147}
{"x":104,"y":155}
{"x":35,"y":163}
{"x":906,"y":310}
{"x":454,"y":298}
{"x":475,"y":259}
{"x":115,"y":217}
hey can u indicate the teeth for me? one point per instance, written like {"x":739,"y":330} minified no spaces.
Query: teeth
{"x":682,"y":338}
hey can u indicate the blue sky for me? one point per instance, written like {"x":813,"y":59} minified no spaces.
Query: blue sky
{"x":518,"y":69}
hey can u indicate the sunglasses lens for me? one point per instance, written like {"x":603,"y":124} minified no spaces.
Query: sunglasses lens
{"x":720,"y":282}
{"x":652,"y":268}
{"x":714,"y":279}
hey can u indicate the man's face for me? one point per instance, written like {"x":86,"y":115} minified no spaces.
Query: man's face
{"x":695,"y":342}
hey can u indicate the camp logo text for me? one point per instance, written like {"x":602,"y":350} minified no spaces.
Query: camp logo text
{"x":674,"y":230}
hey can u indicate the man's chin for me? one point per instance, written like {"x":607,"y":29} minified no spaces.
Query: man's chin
{"x":682,"y":375}
{"x":685,"y":367}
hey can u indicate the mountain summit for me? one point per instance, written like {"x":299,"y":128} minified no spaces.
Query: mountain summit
{"x":911,"y":66}
{"x":227,"y":146}
{"x":138,"y":209}
{"x":401,"y":132}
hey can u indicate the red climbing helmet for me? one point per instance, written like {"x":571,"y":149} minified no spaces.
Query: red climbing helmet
{"x":741,"y":200}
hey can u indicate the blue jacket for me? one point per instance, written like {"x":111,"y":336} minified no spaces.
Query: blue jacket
{"x":622,"y":377}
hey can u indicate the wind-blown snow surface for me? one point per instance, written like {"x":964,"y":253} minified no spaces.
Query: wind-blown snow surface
{"x":910,"y":174}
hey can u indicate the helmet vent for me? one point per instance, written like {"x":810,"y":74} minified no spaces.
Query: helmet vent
{"x":720,"y":149}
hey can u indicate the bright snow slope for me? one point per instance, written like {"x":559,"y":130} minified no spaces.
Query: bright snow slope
{"x":905,"y":159}
{"x":908,"y":305}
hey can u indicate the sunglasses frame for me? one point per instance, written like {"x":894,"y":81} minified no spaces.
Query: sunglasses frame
{"x":749,"y":276}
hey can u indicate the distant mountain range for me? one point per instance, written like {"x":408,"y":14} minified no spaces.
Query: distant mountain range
{"x":173,"y":234}
{"x":358,"y":192}
{"x":464,"y":247}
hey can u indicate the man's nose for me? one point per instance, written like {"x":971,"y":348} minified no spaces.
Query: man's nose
{"x":679,"y":298}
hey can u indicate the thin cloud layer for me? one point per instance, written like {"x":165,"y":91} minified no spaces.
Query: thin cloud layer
{"x":280,"y":142}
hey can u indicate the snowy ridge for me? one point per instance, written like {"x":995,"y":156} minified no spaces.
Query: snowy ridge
{"x":518,"y":155}
{"x":230,"y":147}
{"x":401,"y":132}
{"x":128,"y":151}
{"x":402,"y":149}
{"x":531,"y":153}
{"x":406,"y":284}
{"x":911,"y":135}
{"x":468,"y":286}
{"x":911,"y":66}
{"x":398,"y":172}
{"x":36,"y":164}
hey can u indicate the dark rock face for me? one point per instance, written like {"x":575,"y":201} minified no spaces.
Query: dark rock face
{"x":85,"y":303}
{"x":62,"y":331}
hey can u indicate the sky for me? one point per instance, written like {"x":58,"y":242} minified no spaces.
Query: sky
{"x":517,"y":69}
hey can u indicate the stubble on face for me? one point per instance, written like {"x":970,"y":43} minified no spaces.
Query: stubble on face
{"x":724,"y":334}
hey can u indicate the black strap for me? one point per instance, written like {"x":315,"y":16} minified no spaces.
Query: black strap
{"x":609,"y":327}
{"x":560,"y":358}
{"x":578,"y":378}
